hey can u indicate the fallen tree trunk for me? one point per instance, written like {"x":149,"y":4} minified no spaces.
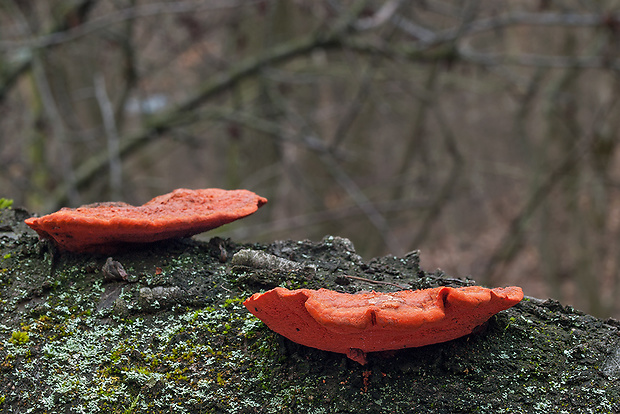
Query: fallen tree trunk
{"x":169,"y":333}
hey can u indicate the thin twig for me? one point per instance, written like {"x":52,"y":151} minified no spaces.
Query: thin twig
{"x":10,"y":75}
{"x":357,"y":195}
{"x":356,"y":104}
{"x":59,"y":129}
{"x":111,"y":133}
{"x":446,"y":190}
{"x":376,"y":282}
{"x":514,"y":235}
{"x":68,"y":34}
{"x":416,"y":143}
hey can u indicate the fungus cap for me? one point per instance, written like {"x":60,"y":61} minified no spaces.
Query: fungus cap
{"x":102,"y":227}
{"x":368,"y":322}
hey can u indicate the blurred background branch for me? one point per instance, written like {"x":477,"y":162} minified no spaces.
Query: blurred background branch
{"x":483,"y":133}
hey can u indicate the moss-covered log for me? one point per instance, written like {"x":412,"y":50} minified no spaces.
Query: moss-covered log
{"x":170,"y":334}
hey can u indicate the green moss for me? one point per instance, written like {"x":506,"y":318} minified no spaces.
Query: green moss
{"x":5,"y":203}
{"x":133,"y":405}
{"x":19,"y":337}
{"x":232,"y":301}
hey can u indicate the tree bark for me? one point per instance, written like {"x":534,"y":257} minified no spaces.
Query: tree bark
{"x":172,"y":335}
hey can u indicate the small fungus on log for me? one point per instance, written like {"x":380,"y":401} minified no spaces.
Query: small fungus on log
{"x":368,"y":322}
{"x":102,"y":227}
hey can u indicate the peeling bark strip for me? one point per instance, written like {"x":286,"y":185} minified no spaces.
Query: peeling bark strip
{"x":369,"y":322}
{"x":260,"y":260}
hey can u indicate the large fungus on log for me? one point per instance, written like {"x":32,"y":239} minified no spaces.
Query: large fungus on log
{"x":103,"y":227}
{"x":368,"y":322}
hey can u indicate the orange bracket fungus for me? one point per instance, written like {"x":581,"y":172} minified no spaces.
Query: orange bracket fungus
{"x":102,"y":227}
{"x":368,"y":322}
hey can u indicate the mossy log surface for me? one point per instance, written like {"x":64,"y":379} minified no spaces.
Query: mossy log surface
{"x":170,"y":334}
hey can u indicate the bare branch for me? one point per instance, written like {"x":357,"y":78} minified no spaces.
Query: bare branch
{"x":23,"y":59}
{"x":521,"y":19}
{"x":524,"y":59}
{"x":221,"y":82}
{"x":505,"y":251}
{"x":359,"y":198}
{"x":111,"y":132}
{"x":447,"y":188}
{"x":385,"y":13}
{"x":66,"y":34}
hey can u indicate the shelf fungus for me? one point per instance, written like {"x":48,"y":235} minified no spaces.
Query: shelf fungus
{"x":368,"y":322}
{"x":103,"y":227}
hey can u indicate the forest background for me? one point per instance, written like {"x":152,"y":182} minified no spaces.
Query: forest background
{"x":483,"y":133}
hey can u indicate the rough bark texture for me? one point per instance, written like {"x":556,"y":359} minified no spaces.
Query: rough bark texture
{"x":170,"y":334}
